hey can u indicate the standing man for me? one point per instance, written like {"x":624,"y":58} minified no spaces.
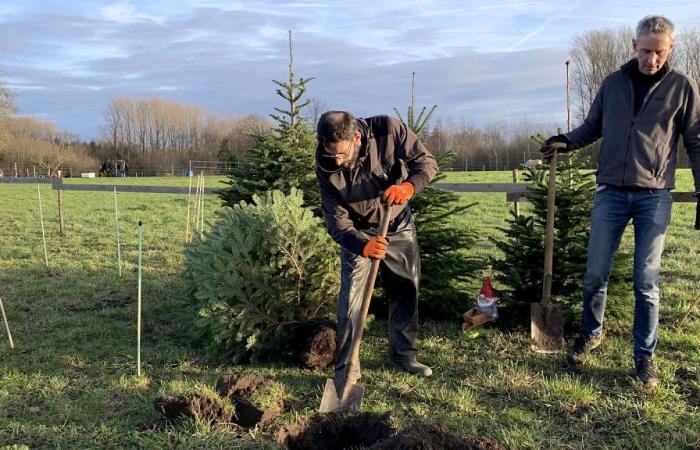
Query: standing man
{"x":360,"y":164}
{"x":640,"y":111}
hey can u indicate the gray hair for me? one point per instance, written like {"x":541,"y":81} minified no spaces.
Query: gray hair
{"x":656,"y":25}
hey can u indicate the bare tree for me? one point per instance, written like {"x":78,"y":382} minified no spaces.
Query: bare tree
{"x":318,"y":107}
{"x":686,"y":55}
{"x":594,"y":55}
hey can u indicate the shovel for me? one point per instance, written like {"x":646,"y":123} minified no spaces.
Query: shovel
{"x":345,"y":395}
{"x":547,"y":318}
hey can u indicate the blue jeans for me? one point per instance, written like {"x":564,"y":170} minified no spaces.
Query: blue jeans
{"x":650,"y":211}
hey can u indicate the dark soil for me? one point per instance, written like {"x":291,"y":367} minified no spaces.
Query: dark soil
{"x":336,"y":431}
{"x":688,"y":386}
{"x":195,"y":405}
{"x":549,"y":323}
{"x":314,"y":344}
{"x":239,"y":386}
{"x":239,"y":389}
{"x":423,"y":436}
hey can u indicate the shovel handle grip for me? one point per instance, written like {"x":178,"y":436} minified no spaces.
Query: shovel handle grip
{"x":549,"y":230}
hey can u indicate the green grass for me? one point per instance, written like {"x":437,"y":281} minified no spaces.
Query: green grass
{"x":70,"y":382}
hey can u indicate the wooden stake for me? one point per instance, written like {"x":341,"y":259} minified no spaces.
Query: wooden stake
{"x":189,"y":196}
{"x":516,"y":204}
{"x":7,"y":327}
{"x":41,"y":218}
{"x":116,"y":220}
{"x":59,"y":194}
{"x":568,"y":99}
{"x":201,"y":194}
{"x":138,"y":304}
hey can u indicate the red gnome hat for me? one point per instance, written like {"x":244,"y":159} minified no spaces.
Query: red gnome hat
{"x":486,"y":288}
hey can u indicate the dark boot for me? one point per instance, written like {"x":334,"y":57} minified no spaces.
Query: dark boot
{"x":583,"y":344}
{"x":646,"y":371}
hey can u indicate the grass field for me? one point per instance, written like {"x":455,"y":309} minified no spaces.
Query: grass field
{"x":71,"y":383}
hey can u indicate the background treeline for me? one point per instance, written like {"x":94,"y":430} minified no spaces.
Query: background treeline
{"x":158,"y":136}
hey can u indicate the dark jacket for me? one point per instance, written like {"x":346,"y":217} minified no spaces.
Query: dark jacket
{"x":390,"y":153}
{"x":641,"y":150}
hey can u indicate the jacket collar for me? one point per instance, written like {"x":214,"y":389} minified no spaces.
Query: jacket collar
{"x":629,"y":66}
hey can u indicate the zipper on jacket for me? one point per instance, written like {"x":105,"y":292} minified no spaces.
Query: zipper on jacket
{"x":629,"y":131}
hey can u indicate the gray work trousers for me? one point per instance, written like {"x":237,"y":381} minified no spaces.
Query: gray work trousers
{"x":400,"y":272}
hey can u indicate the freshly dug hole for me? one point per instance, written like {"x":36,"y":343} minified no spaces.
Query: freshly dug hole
{"x":257,"y":400}
{"x":196,"y":405}
{"x":336,"y":431}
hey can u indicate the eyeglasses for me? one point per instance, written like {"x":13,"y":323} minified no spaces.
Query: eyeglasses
{"x":344,"y":156}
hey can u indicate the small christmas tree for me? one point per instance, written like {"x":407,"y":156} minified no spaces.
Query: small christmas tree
{"x":521,"y":266}
{"x":282,"y":159}
{"x":445,"y":265}
{"x":264,"y":268}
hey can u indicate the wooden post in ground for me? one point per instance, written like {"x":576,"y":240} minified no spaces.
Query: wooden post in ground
{"x":516,"y":204}
{"x":59,"y":194}
{"x":189,"y":196}
{"x":43,"y":232}
{"x":34,"y":169}
{"x":7,"y":327}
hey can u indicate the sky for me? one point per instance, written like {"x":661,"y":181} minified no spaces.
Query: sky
{"x":477,"y":60}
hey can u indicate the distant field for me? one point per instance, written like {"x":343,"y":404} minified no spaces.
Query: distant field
{"x":70,"y":383}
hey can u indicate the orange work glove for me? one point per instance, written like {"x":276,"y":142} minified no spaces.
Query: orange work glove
{"x":375,"y":248}
{"x":399,"y":193}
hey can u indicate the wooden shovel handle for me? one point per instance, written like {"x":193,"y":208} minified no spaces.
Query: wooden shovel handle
{"x":549,"y":231}
{"x":369,"y":289}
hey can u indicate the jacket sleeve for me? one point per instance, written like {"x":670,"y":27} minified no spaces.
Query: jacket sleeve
{"x":592,"y":128}
{"x":422,"y":166}
{"x":338,"y":221}
{"x":691,"y":130}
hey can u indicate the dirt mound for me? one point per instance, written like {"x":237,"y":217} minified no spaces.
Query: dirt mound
{"x":194,"y":405}
{"x":256,"y":399}
{"x":314,"y":344}
{"x":232,"y":386}
{"x":423,"y":436}
{"x":336,"y":431}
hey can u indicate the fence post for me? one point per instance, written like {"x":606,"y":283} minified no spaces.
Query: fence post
{"x":60,"y":206}
{"x":516,"y":205}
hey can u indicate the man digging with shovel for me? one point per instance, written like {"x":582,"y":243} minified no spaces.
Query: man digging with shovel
{"x":640,"y":112}
{"x":360,"y":164}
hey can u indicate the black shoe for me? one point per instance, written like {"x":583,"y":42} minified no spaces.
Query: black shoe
{"x":583,"y":344}
{"x":646,"y":371}
{"x":416,"y":368}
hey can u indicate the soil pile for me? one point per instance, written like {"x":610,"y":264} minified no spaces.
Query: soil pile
{"x":336,"y":431}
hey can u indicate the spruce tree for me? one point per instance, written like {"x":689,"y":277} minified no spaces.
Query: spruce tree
{"x":520,"y":266}
{"x":445,"y":264}
{"x":262,"y":269}
{"x":282,"y":159}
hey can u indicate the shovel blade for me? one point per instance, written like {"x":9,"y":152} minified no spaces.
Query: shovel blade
{"x":332,"y":398}
{"x":547,"y":327}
